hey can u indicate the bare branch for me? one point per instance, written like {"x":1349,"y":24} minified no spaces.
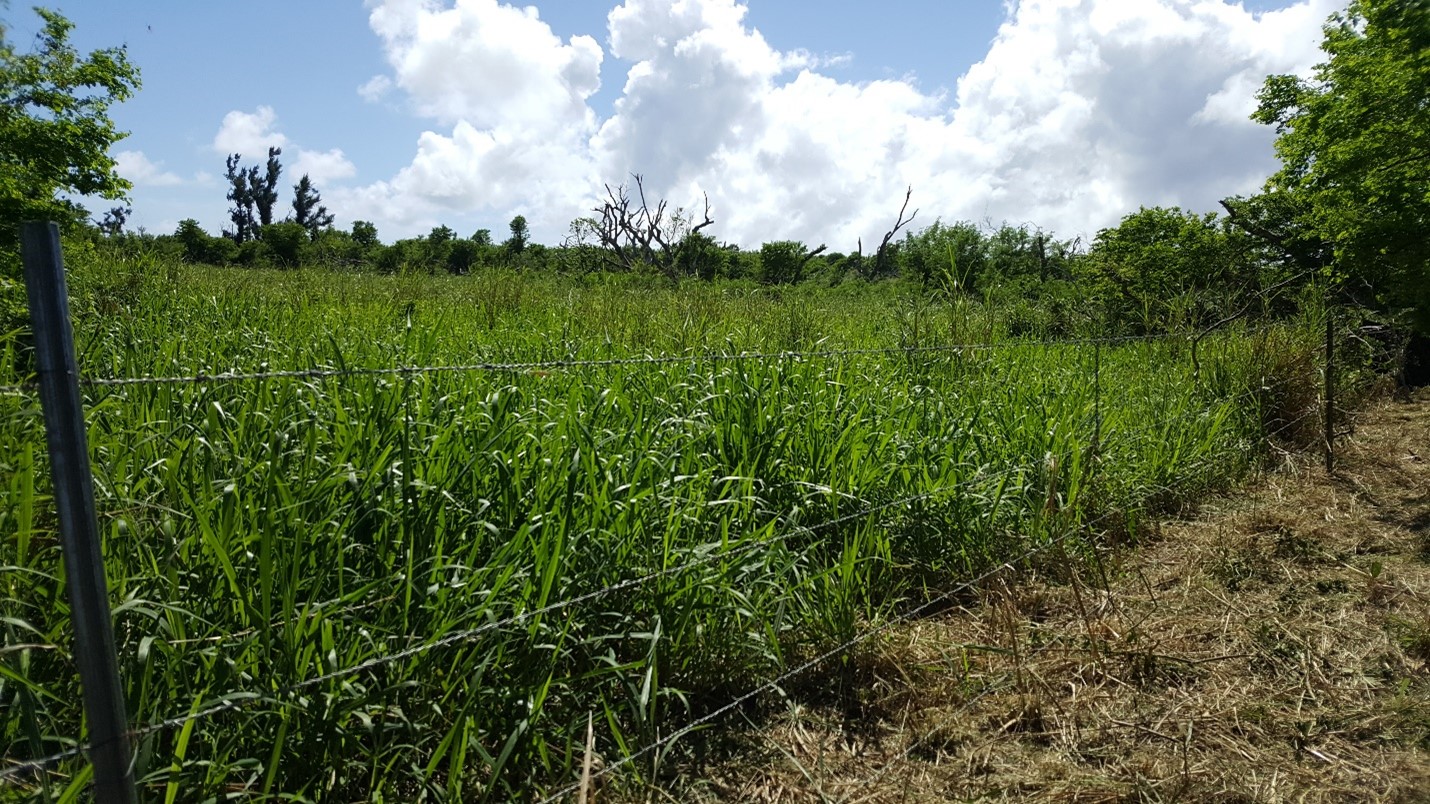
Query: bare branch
{"x":881,"y":257}
{"x":636,"y":236}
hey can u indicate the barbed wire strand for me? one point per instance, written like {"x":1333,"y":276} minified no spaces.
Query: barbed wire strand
{"x":327,"y":607}
{"x":240,"y":699}
{"x":237,"y":700}
{"x":913,"y":746}
{"x":774,"y":683}
{"x":202,"y":378}
{"x":844,"y":647}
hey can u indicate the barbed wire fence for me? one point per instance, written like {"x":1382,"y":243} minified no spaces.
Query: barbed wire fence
{"x":108,"y":749}
{"x":575,"y":363}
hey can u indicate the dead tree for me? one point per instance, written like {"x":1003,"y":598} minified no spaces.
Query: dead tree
{"x":636,"y":236}
{"x":882,"y":256}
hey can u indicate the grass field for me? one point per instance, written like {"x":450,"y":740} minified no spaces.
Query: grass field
{"x":632,"y":544}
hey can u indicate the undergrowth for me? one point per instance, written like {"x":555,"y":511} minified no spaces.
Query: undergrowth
{"x":750,"y":512}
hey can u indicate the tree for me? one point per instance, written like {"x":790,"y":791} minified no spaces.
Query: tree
{"x":520,"y":235}
{"x":200,"y":247}
{"x":1163,"y":267}
{"x":253,"y":193}
{"x":700,"y":256}
{"x":285,"y":242}
{"x":194,"y":240}
{"x":265,"y":188}
{"x":950,"y":256}
{"x":1280,"y":223}
{"x":365,"y":234}
{"x":55,"y":130}
{"x":437,"y":247}
{"x":637,"y":236}
{"x":308,"y":209}
{"x":334,"y":248}
{"x":1354,"y":144}
{"x":482,"y":237}
{"x":245,"y":225}
{"x":113,"y":223}
{"x":782,"y":262}
{"x":461,"y":256}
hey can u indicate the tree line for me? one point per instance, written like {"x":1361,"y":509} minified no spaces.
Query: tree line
{"x":1346,"y":210}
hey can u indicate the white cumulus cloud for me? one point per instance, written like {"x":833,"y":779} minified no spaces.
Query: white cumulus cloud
{"x":514,"y":95}
{"x":251,"y":134}
{"x":136,"y":167}
{"x":1081,"y":111}
{"x":323,"y":166}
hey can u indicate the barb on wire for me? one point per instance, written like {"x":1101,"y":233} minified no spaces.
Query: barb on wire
{"x":238,"y":700}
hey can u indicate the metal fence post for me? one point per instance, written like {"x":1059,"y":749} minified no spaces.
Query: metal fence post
{"x":74,"y":501}
{"x":1097,"y":398}
{"x":1329,"y":413}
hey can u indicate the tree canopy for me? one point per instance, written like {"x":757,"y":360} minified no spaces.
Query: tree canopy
{"x":55,"y":130}
{"x":1354,"y":142}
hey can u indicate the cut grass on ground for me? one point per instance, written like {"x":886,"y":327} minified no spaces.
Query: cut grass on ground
{"x":1274,"y":646}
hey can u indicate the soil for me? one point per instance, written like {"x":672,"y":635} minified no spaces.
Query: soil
{"x":1272,"y":646}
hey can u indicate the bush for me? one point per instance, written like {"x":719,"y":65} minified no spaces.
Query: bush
{"x":782,"y":262}
{"x":285,"y":242}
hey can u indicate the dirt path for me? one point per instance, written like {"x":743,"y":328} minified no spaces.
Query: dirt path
{"x":1274,"y":648}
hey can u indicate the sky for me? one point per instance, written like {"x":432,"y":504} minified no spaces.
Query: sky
{"x":798,"y":121}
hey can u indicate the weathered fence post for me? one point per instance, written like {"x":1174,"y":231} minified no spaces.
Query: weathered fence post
{"x":1329,"y":413}
{"x":74,"y":501}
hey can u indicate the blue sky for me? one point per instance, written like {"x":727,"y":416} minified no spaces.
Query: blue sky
{"x":798,"y":120}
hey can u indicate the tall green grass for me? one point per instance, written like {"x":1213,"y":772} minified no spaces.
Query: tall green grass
{"x":265,"y":532}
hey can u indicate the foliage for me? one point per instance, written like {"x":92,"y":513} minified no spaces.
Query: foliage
{"x":462,"y":256}
{"x":580,"y":251}
{"x":252,"y":253}
{"x":1021,"y":255}
{"x":520,"y":236}
{"x":699,"y":256}
{"x":1283,"y":237}
{"x":365,"y":234}
{"x":285,"y":242}
{"x":292,"y":528}
{"x":55,"y":130}
{"x":944,"y":256}
{"x":390,"y":259}
{"x":200,"y":247}
{"x":1354,"y":143}
{"x":334,"y":249}
{"x":1165,"y":268}
{"x":782,"y":262}
{"x":308,"y":209}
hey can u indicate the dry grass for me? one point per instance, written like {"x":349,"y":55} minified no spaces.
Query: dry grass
{"x":1275,"y":647}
